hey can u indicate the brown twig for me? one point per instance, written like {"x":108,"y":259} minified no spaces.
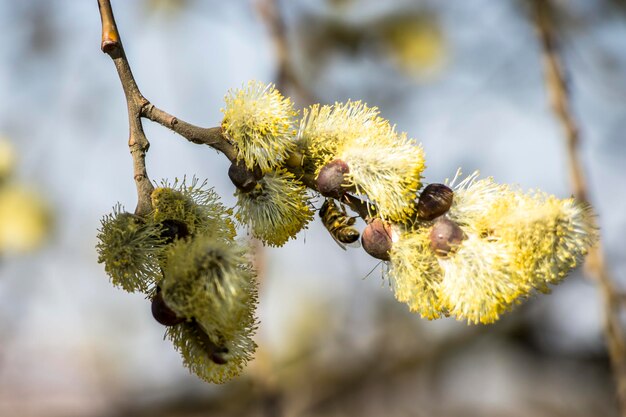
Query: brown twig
{"x":211,"y":136}
{"x":137,"y":141}
{"x":596,"y":264}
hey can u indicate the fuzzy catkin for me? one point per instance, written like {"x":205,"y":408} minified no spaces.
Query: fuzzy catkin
{"x":129,"y":249}
{"x":276,"y":210}
{"x":515,"y":243}
{"x":384,"y":166}
{"x":259,"y":120}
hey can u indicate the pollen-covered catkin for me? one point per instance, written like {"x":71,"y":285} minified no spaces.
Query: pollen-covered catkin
{"x":259,"y":120}
{"x":383,"y":165}
{"x":386,"y":169}
{"x":510,"y":244}
{"x":478,"y":284}
{"x":550,"y":236}
{"x":276,"y":210}
{"x":325,"y":128}
{"x":415,"y":273}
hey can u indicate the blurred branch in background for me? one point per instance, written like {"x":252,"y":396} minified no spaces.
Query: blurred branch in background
{"x":308,"y":385}
{"x":555,"y":79}
{"x":286,"y":77}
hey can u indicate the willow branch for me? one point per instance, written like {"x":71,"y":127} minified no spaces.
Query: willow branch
{"x":211,"y":136}
{"x":139,"y":107}
{"x":596,"y":264}
{"x":137,"y":141}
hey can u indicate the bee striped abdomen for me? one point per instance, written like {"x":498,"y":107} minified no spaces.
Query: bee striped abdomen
{"x":338,"y":223}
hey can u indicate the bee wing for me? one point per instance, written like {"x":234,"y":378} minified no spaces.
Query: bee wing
{"x":341,"y":245}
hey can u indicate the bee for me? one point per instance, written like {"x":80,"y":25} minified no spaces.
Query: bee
{"x":339,"y":224}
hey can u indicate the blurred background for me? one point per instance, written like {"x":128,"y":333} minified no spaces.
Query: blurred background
{"x":464,"y":78}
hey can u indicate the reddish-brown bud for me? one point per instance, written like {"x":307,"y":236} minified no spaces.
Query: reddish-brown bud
{"x":376,"y":239}
{"x":434,"y":201}
{"x":445,"y":236}
{"x":331,"y":180}
{"x":242,"y":177}
{"x":162,"y":313}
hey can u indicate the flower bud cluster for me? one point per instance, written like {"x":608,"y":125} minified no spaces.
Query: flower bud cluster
{"x":184,"y":257}
{"x":472,"y":251}
{"x":494,"y":247}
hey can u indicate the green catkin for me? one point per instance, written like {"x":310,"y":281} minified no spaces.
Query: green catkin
{"x":212,"y":285}
{"x":129,"y":249}
{"x":196,"y":205}
{"x":190,"y":340}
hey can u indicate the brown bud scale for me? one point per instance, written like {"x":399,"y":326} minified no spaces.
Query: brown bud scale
{"x":243,"y":178}
{"x":162,"y":313}
{"x":173,"y":229}
{"x":445,"y":237}
{"x":217,"y":356}
{"x":331,"y":179}
{"x":434,"y":201}
{"x":376,"y":239}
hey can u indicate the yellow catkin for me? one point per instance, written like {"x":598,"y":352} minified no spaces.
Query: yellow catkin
{"x":259,"y":120}
{"x":515,"y":243}
{"x":478,"y":284}
{"x":385,"y":166}
{"x":550,"y":235}
{"x":276,"y":210}
{"x":324,"y":129}
{"x":415,"y":273}
{"x":387,"y":170}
